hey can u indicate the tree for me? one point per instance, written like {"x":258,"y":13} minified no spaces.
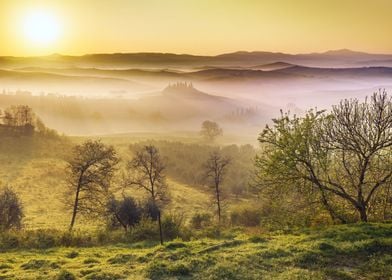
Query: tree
{"x":210,"y":130}
{"x":90,"y":171}
{"x":146,"y":171}
{"x":125,"y":212}
{"x":11,"y":210}
{"x":346,"y":155}
{"x":215,"y":169}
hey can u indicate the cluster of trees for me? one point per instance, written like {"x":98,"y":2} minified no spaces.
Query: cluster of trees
{"x":90,"y":177}
{"x":21,"y":120}
{"x":185,"y":163}
{"x":337,"y":162}
{"x":334,"y":165}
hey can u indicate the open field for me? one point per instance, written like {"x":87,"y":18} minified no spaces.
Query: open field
{"x":362,"y":251}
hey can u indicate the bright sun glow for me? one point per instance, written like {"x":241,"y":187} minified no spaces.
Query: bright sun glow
{"x":41,"y":28}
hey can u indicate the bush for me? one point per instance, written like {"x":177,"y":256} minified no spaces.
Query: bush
{"x":11,"y":211}
{"x":171,"y":226}
{"x":125,"y":213}
{"x":201,"y":220}
{"x":146,"y":229}
{"x":246,"y":216}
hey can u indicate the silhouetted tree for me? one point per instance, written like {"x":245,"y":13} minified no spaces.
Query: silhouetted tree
{"x":215,"y":169}
{"x":90,"y":171}
{"x":146,"y":171}
{"x":11,"y":210}
{"x":210,"y":130}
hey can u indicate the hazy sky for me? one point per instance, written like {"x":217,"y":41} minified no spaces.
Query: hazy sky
{"x":193,"y":26}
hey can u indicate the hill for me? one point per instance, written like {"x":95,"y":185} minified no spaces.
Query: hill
{"x":335,"y":58}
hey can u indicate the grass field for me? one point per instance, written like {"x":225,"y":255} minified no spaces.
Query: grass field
{"x":361,"y":251}
{"x":36,"y":173}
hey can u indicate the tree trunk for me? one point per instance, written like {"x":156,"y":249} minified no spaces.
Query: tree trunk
{"x":160,"y":227}
{"x":218,"y":203}
{"x":75,"y":209}
{"x":362,"y":213}
{"x":330,"y":209}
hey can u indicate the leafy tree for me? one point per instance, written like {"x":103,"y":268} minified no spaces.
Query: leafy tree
{"x":215,"y":169}
{"x":344,"y":155}
{"x":125,"y":212}
{"x":11,"y":210}
{"x":210,"y":130}
{"x":90,"y":171}
{"x":146,"y":171}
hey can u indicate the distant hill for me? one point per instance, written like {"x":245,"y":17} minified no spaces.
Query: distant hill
{"x":273,"y":66}
{"x":335,"y":58}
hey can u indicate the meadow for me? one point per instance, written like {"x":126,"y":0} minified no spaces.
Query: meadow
{"x":361,"y":251}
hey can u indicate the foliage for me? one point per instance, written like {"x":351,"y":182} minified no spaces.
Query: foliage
{"x":200,"y":220}
{"x":210,"y":130}
{"x":125,"y":212}
{"x":340,"y":161}
{"x":11,"y":210}
{"x":248,"y":216}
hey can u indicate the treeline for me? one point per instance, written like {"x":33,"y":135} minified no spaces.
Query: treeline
{"x":21,"y":120}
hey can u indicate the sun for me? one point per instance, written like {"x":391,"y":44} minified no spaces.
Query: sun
{"x":41,"y":28}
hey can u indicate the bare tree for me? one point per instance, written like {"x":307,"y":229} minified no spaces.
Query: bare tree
{"x":210,"y":130}
{"x":215,"y":169}
{"x":346,"y":154}
{"x":146,"y":171}
{"x":90,"y":172}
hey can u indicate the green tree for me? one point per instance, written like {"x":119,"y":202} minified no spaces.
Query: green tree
{"x":210,"y":130}
{"x":11,"y":210}
{"x":345,"y":155}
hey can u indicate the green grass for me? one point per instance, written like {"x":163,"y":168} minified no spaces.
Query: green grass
{"x":362,"y":251}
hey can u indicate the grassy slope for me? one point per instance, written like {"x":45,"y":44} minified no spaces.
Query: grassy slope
{"x":339,"y":252}
{"x":35,"y":170}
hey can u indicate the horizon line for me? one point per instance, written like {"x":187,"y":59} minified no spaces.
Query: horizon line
{"x":199,"y":55}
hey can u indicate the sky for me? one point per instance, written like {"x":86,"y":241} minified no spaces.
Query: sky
{"x":203,"y":27}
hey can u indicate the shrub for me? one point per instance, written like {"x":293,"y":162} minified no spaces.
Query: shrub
{"x":246,"y":216}
{"x":11,"y":211}
{"x":201,"y":220}
{"x":146,"y":229}
{"x":125,"y":213}
{"x":171,"y":226}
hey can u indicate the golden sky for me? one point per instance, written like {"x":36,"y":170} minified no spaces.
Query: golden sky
{"x":195,"y":26}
